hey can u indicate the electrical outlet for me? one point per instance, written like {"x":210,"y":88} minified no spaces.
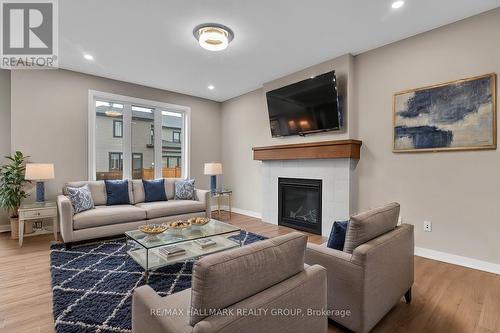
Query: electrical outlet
{"x":428,"y":226}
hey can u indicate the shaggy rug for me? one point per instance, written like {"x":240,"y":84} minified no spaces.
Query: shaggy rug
{"x":92,"y":285}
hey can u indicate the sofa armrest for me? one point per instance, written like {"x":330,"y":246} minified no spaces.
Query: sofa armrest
{"x":65,"y":210}
{"x":204,"y":196}
{"x":152,"y":313}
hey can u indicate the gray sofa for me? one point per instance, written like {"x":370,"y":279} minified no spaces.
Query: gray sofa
{"x":104,"y":221}
{"x":241,"y":290}
{"x":373,"y":272}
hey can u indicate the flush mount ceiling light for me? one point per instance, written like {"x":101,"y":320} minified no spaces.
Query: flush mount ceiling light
{"x":398,"y":4}
{"x":88,"y":56}
{"x":213,"y":36}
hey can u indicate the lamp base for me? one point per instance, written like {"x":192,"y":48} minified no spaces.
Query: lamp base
{"x":213,"y":183}
{"x":40,"y":192}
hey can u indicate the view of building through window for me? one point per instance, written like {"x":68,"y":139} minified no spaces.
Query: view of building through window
{"x":110,"y":131}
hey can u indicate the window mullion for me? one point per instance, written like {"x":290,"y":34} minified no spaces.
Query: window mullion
{"x":158,"y":145}
{"x":127,"y":141}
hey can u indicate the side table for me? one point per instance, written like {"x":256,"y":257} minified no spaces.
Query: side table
{"x":37,"y":211}
{"x":220,"y":193}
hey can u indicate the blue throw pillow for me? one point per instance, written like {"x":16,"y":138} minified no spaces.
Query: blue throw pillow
{"x":154,"y":190}
{"x":184,"y":189}
{"x":81,"y":198}
{"x":337,"y":235}
{"x":117,"y":192}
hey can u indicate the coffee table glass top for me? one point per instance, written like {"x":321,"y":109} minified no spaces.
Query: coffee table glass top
{"x":174,"y":236}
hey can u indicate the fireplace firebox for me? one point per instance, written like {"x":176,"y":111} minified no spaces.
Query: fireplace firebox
{"x":299,"y":204}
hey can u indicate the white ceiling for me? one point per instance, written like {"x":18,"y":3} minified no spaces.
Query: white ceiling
{"x":150,"y":42}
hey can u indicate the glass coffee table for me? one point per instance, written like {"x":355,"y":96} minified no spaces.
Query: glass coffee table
{"x":150,"y":251}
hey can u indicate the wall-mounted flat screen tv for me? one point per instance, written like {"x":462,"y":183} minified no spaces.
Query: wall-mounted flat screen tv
{"x":305,"y":107}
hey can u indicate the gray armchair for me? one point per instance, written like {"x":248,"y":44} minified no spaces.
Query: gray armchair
{"x":263,"y":287}
{"x":365,"y":284}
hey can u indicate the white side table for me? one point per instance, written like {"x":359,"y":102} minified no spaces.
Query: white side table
{"x":37,"y":211}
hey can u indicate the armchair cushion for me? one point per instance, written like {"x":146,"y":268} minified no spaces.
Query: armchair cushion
{"x":371,"y":224}
{"x":337,"y":235}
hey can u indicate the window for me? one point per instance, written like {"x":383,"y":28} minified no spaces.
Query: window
{"x":108,"y":149}
{"x":117,"y":129}
{"x":176,"y":136}
{"x":115,"y":162}
{"x":149,"y":138}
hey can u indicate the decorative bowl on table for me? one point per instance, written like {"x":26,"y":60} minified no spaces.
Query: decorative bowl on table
{"x":177,"y":226}
{"x":197,"y":222}
{"x":153,"y":229}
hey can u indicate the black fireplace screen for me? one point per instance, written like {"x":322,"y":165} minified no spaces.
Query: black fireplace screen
{"x":299,"y":204}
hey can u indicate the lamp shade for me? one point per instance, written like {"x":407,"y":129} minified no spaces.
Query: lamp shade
{"x":213,"y":169}
{"x":38,"y":171}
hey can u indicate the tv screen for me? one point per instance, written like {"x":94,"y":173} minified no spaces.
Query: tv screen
{"x":304,"y":107}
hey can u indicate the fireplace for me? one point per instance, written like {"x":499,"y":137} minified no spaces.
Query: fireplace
{"x":299,"y":204}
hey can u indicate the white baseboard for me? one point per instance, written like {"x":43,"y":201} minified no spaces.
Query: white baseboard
{"x":239,"y":211}
{"x":4,"y":227}
{"x":458,"y":260}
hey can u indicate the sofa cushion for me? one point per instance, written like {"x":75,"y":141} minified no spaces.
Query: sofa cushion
{"x":225,"y":278}
{"x":371,"y":224}
{"x":81,"y":198}
{"x":97,"y":189}
{"x":106,"y":215}
{"x":171,"y":207}
{"x":170,"y":187}
{"x":117,"y":192}
{"x":184,"y":189}
{"x":154,"y":190}
{"x":138,"y":191}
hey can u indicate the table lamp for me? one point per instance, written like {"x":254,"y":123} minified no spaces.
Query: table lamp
{"x":39,"y":172}
{"x":213,"y":169}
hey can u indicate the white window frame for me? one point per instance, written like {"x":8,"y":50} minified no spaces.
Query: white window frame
{"x":127,"y":102}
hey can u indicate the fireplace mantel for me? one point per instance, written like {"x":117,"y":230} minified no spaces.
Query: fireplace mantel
{"x":311,"y":150}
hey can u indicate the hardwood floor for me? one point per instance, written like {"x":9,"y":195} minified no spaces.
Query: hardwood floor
{"x":446,"y":298}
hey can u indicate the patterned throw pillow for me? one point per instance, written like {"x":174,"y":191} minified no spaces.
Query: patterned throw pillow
{"x":184,"y":189}
{"x":81,"y":198}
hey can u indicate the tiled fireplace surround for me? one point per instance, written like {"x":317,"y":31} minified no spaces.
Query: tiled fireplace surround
{"x":338,"y":197}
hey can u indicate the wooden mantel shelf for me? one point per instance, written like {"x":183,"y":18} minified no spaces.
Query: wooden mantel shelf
{"x":312,"y":150}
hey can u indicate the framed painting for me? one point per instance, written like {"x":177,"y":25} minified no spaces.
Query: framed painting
{"x":458,"y":115}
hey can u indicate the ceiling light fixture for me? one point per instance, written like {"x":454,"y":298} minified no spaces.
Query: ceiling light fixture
{"x":398,"y":4}
{"x":211,"y":87}
{"x":213,"y":36}
{"x":88,"y":56}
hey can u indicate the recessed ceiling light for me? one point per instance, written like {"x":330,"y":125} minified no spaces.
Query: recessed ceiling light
{"x":211,"y":87}
{"x":88,"y":56}
{"x":398,"y":4}
{"x":213,"y":36}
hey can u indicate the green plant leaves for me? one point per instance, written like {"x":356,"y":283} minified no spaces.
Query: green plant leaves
{"x":12,"y":183}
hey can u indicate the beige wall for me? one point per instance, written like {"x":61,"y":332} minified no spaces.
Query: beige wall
{"x":457,"y":191}
{"x":49,"y":121}
{"x":4,"y":125}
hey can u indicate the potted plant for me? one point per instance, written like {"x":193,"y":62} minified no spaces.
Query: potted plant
{"x":12,"y":193}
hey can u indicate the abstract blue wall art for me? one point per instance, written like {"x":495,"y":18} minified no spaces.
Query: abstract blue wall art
{"x":458,"y":115}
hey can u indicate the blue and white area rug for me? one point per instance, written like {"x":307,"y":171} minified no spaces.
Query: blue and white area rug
{"x":92,"y":285}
